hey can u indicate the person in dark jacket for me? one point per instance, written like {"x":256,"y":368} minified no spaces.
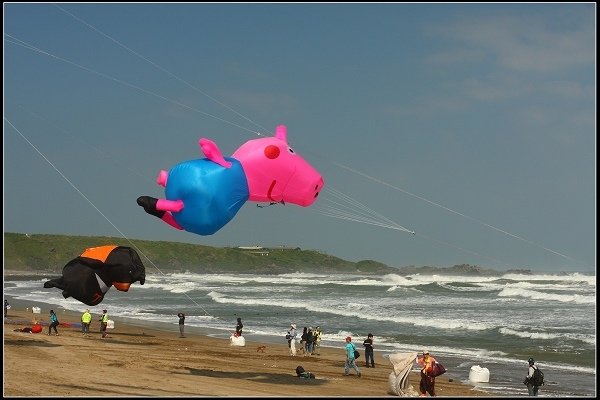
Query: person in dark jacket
{"x":181,"y":324}
{"x":303,"y":339}
{"x":310,"y":341}
{"x":238,"y":327}
{"x":531,"y":387}
{"x":368,"y":343}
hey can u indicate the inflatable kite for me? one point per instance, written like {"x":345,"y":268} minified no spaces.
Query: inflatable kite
{"x":203,"y":195}
{"x":36,"y":328}
{"x":88,"y":277}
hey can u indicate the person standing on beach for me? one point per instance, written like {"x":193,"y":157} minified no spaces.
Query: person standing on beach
{"x":532,"y":388}
{"x":238,"y":327}
{"x":181,"y":324}
{"x":368,"y":343}
{"x":292,"y":340}
{"x":318,"y":334}
{"x":53,"y":323}
{"x":350,"y":360}
{"x":86,"y":320}
{"x":6,"y":307}
{"x":303,"y":338}
{"x":104,"y":324}
{"x":427,"y":384}
{"x":310,"y":341}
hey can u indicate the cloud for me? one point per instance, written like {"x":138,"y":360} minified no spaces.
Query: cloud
{"x":543,"y":62}
{"x":519,"y":43}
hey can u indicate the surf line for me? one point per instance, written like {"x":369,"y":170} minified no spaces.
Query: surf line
{"x":97,"y":209}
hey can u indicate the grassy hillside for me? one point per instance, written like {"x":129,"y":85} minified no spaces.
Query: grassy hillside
{"x":49,"y":253}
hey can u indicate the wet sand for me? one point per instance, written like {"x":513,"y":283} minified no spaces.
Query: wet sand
{"x":140,"y":359}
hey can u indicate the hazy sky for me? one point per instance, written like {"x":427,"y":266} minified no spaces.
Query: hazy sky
{"x":472,"y":125}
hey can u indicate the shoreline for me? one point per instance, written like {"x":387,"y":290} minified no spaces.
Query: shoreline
{"x":149,"y":359}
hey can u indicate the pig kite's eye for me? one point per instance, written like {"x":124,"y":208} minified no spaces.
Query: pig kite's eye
{"x":290,"y":150}
{"x":272,"y":152}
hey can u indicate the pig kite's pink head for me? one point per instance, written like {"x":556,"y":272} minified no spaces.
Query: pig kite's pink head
{"x":275,"y":173}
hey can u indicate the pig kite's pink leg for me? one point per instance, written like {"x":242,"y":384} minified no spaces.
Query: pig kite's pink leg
{"x":169,"y":205}
{"x":168,"y":218}
{"x":151,"y":206}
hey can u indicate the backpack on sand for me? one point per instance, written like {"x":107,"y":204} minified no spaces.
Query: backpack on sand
{"x":301,"y":373}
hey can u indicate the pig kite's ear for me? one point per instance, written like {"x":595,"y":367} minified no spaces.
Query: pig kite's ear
{"x":281,"y":133}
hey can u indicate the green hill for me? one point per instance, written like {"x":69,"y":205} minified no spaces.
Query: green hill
{"x":49,"y":253}
{"x":39,"y":253}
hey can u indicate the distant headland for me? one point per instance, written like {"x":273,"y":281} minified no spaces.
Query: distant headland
{"x":45,"y":253}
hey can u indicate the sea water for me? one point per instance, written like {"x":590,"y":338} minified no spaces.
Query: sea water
{"x":494,"y":322}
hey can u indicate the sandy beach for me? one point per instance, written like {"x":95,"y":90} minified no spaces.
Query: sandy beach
{"x":144,"y":360}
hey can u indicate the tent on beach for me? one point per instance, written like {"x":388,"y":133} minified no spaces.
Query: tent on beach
{"x":398,"y":378}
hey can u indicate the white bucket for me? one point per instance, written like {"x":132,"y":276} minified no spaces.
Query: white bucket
{"x":237,"y":340}
{"x":36,"y":310}
{"x":479,"y":374}
{"x":110,"y":324}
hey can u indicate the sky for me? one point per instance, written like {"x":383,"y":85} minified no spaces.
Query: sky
{"x":471,"y":125}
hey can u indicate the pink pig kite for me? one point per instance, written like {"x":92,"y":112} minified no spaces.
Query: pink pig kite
{"x":203,"y":195}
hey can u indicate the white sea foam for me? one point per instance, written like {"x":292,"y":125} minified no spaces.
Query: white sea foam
{"x":425,"y":279}
{"x":536,"y":295}
{"x":573,"y":277}
{"x":543,"y":285}
{"x":363,"y":311}
{"x":549,"y":336}
{"x":480,"y":287}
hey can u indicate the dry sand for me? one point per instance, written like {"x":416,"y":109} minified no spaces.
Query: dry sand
{"x":144,"y":360}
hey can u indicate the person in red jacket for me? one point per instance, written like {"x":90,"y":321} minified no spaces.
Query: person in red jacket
{"x":427,"y":384}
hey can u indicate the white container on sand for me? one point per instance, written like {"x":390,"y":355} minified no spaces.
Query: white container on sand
{"x":479,"y":374}
{"x":237,"y":340}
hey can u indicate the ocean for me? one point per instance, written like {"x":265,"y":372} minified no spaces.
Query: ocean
{"x":493,"y":322}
